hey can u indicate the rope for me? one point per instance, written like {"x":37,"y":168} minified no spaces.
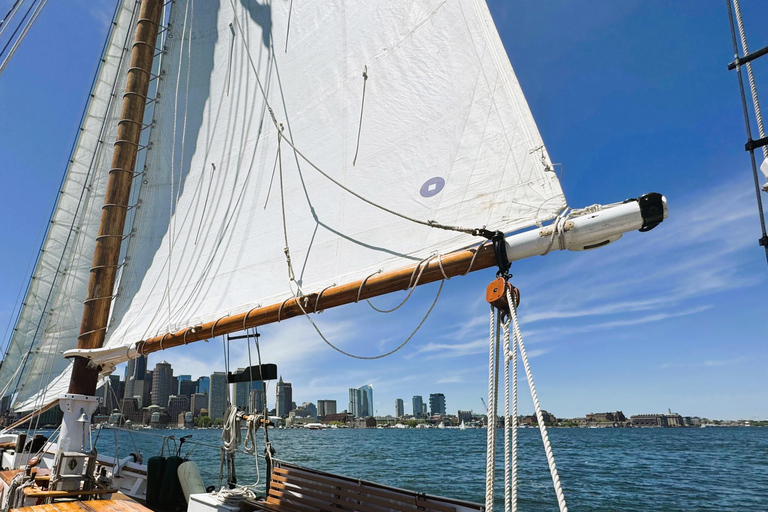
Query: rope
{"x":514,"y":426}
{"x":507,"y":441}
{"x":362,"y":106}
{"x":752,"y":86}
{"x":490,"y":452}
{"x":539,"y":416}
{"x":761,"y":215}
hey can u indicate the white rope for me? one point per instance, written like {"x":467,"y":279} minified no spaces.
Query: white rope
{"x":539,"y":416}
{"x":493,"y":387}
{"x":514,"y":425}
{"x":507,"y":426}
{"x":752,"y":86}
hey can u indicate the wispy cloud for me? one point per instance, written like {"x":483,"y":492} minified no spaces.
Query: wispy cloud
{"x":707,"y":363}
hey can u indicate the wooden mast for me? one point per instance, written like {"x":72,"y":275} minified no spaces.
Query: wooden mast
{"x":107,"y":253}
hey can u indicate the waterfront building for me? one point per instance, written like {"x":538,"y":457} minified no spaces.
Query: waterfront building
{"x":464,"y":416}
{"x":418,"y":405}
{"x":325,"y":407}
{"x":284,"y":403}
{"x":217,"y":398}
{"x":241,"y":391}
{"x":257,"y":401}
{"x":110,"y":393}
{"x":177,"y":404}
{"x":341,"y":417}
{"x":197,"y":403}
{"x":361,"y":401}
{"x":131,"y":410}
{"x":204,"y":385}
{"x":162,"y":383}
{"x":310,"y":408}
{"x":399,"y":408}
{"x":437,"y":404}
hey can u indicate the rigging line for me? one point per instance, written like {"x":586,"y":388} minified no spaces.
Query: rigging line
{"x":428,"y":223}
{"x":9,"y":15}
{"x":750,"y":75}
{"x":171,"y":206}
{"x":411,"y":285}
{"x":764,"y":239}
{"x":288,"y":28}
{"x":362,"y":106}
{"x":380,"y":356}
{"x":16,"y":30}
{"x":23,"y":34}
{"x":205,"y":204}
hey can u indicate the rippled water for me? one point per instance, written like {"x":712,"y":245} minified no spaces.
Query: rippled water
{"x":600,"y":469}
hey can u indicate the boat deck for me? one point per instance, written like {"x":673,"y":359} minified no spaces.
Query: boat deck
{"x":118,"y":503}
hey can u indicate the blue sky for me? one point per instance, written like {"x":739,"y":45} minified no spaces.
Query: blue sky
{"x":630,"y":97}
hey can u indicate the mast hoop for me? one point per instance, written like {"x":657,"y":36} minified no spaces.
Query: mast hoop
{"x":91,"y":332}
{"x":135,"y":68}
{"x":94,"y":299}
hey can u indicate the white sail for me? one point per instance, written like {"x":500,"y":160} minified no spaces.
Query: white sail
{"x":49,"y":321}
{"x":444,"y":133}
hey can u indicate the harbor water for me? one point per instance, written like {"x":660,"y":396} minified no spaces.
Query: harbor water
{"x":600,"y":469}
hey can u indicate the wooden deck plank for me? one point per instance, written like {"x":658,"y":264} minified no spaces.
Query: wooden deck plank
{"x":120,"y":504}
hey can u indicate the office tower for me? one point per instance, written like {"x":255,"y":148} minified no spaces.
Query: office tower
{"x":310,"y":408}
{"x":198,"y":402}
{"x":354,"y":400}
{"x":135,"y":370}
{"x":257,"y":403}
{"x":361,"y":401}
{"x":437,"y":404}
{"x":177,"y":405}
{"x":418,"y":405}
{"x":284,"y":403}
{"x":204,"y":385}
{"x":241,"y":391}
{"x":162,"y":383}
{"x":188,"y":387}
{"x":182,"y":378}
{"x":217,"y":398}
{"x":325,"y":407}
{"x":399,"y":408}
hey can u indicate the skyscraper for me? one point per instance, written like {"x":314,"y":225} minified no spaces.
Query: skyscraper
{"x":399,"y":408}
{"x":217,"y":398}
{"x":418,"y":405}
{"x":188,"y":387}
{"x":361,"y":401}
{"x":199,"y":402}
{"x":284,"y":398}
{"x":325,"y":407}
{"x":241,"y":392}
{"x":182,"y":378}
{"x":162,"y":383}
{"x":204,"y":385}
{"x":437,"y":404}
{"x":256,"y":401}
{"x":135,"y":371}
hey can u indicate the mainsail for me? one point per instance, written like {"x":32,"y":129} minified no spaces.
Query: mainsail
{"x":413,"y":107}
{"x":49,"y":320}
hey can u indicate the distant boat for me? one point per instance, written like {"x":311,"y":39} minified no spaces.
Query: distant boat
{"x":314,"y":426}
{"x":462,"y":426}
